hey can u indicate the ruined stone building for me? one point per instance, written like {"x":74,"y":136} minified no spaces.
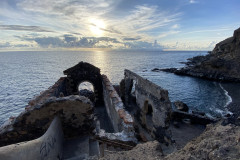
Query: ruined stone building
{"x":85,"y":125}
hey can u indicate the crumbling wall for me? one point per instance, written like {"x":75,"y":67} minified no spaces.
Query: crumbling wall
{"x":153,"y":104}
{"x":84,"y":72}
{"x":57,"y":90}
{"x":75,"y":112}
{"x":121,"y":119}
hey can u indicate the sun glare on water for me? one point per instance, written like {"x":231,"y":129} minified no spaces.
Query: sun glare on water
{"x":97,"y":27}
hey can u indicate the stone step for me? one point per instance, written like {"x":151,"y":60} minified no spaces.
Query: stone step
{"x":76,"y":148}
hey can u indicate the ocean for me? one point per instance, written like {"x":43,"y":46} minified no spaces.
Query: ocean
{"x":25,"y":74}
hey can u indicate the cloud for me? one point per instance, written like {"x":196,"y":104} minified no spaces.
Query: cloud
{"x":165,"y":34}
{"x":193,"y":1}
{"x":142,"y":45}
{"x":69,"y":38}
{"x":175,"y":26}
{"x":5,"y":45}
{"x":69,"y":41}
{"x":145,"y":18}
{"x":208,"y":30}
{"x":212,"y":44}
{"x":66,"y":7}
{"x":23,"y":28}
{"x":9,"y":45}
{"x":131,"y":39}
{"x":70,"y":25}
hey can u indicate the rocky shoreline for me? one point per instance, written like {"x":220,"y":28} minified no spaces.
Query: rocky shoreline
{"x":235,"y":104}
{"x":221,"y":64}
{"x":219,"y":140}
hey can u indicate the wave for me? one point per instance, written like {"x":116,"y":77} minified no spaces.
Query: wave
{"x":229,"y":98}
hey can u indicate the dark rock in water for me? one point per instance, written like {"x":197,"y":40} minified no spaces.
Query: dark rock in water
{"x":227,"y":115}
{"x":194,"y":118}
{"x":181,"y":106}
{"x":171,"y":70}
{"x":156,"y":70}
{"x":199,"y":113}
{"x":221,"y":64}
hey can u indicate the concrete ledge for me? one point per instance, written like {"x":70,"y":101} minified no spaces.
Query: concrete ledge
{"x":48,"y":146}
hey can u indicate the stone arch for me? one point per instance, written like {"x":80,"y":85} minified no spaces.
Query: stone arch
{"x":84,"y":72}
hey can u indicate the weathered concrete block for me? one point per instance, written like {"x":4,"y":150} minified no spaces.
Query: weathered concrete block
{"x":48,"y":146}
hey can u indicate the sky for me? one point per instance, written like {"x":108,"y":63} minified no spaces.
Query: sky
{"x":116,"y":24}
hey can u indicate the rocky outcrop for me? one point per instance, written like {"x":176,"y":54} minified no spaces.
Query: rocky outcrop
{"x":181,"y":106}
{"x":218,"y":142}
{"x":221,"y":64}
{"x":150,"y":150}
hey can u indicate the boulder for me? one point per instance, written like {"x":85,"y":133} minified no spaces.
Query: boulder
{"x":181,"y":106}
{"x":89,"y":94}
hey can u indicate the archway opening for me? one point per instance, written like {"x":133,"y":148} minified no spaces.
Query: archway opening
{"x":87,"y":89}
{"x":133,"y":92}
{"x":148,"y":110}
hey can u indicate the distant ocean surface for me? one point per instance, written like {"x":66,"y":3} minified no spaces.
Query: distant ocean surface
{"x":24,"y":75}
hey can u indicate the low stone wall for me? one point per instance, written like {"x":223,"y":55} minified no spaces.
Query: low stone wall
{"x":75,"y":112}
{"x":48,"y":146}
{"x":121,"y":119}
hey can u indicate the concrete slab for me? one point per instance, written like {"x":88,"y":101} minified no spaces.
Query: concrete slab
{"x":48,"y":146}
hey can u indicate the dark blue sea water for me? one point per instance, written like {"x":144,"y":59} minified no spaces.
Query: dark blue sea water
{"x":25,"y":74}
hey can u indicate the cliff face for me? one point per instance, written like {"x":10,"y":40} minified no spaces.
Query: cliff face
{"x":223,"y":63}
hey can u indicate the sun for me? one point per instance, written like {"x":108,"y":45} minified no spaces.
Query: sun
{"x":97,"y":27}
